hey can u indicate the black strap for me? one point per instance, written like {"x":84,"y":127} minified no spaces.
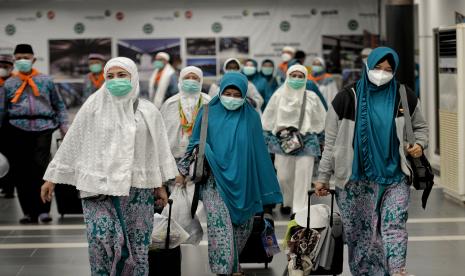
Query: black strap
{"x":302,"y":109}
{"x":168,"y":229}
{"x":200,"y":166}
{"x":135,"y":105}
{"x":408,"y":120}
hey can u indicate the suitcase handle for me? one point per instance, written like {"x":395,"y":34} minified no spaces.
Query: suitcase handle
{"x":312,"y":192}
{"x":167,"y":241}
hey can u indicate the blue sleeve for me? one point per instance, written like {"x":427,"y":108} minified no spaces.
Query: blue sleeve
{"x":172,"y":87}
{"x":312,"y":86}
{"x":58,"y":106}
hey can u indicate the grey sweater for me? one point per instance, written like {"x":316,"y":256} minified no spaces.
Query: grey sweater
{"x":338,"y":152}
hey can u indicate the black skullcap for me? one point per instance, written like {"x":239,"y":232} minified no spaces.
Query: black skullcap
{"x":23,"y":49}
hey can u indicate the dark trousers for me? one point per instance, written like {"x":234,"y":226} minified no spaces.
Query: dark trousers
{"x":29,"y":154}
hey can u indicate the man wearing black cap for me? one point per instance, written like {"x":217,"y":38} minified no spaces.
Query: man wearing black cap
{"x":33,"y":110}
{"x":94,"y":80}
{"x":6,"y":67}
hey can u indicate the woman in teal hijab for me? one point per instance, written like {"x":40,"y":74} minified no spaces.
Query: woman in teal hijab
{"x":366,"y":149}
{"x":241,"y":175}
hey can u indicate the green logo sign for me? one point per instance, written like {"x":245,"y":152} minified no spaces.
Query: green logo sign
{"x":147,"y":28}
{"x":217,"y":27}
{"x":245,"y":12}
{"x":79,"y":28}
{"x":39,"y":14}
{"x":285,"y":26}
{"x":353,"y":25}
{"x":10,"y":29}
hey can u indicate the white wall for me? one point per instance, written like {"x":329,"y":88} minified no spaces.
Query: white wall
{"x":264,"y":32}
{"x":432,"y":14}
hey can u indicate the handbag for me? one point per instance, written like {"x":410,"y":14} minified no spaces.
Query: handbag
{"x":290,"y":139}
{"x":198,"y":171}
{"x":422,"y":176}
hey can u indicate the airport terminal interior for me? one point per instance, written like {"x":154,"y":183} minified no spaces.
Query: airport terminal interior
{"x":82,"y":83}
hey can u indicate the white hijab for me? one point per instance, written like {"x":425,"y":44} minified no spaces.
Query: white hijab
{"x":189,"y":100}
{"x":97,"y":153}
{"x":284,"y":108}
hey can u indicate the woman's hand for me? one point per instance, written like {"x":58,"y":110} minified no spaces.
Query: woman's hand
{"x":321,"y":189}
{"x":180,"y":180}
{"x":415,"y":151}
{"x":162,"y":196}
{"x":46,"y":191}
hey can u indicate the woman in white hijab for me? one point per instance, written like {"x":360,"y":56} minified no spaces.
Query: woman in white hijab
{"x":180,"y":111}
{"x":116,"y":153}
{"x":253,"y":96}
{"x":284,"y":112}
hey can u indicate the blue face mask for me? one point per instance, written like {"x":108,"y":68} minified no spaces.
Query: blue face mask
{"x":190,"y":86}
{"x":267,"y":71}
{"x":23,"y":65}
{"x":158,"y":64}
{"x":249,"y":70}
{"x":231,"y":103}
{"x":296,"y":83}
{"x":119,"y":87}
{"x":317,"y":69}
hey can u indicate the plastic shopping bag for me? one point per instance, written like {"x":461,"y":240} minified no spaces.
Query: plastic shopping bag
{"x":181,"y":213}
{"x":160,"y":227}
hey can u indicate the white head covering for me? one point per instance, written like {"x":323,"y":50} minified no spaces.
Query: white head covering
{"x":97,"y":153}
{"x":187,"y":70}
{"x":189,"y":100}
{"x":366,"y":51}
{"x":229,"y":60}
{"x":321,"y":60}
{"x":163,"y":55}
{"x":285,"y":105}
{"x":289,"y":49}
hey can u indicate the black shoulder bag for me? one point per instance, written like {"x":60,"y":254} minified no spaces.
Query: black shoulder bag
{"x":290,"y":139}
{"x":198,"y":169}
{"x":422,"y":176}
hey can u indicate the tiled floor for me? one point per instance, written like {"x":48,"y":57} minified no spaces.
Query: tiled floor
{"x":436,"y":247}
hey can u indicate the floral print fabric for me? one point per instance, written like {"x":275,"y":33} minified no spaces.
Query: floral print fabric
{"x":375,"y":232}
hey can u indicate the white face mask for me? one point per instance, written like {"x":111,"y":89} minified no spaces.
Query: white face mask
{"x":286,"y":57}
{"x":4,"y":72}
{"x":379,"y":77}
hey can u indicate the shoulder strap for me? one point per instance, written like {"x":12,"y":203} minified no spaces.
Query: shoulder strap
{"x":408,"y":120}
{"x":135,"y":105}
{"x":203,"y":141}
{"x":302,"y":109}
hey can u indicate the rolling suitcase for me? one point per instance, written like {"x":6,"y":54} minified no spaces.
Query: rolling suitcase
{"x":164,"y":262}
{"x":68,"y":201}
{"x":337,"y":257}
{"x":253,"y":251}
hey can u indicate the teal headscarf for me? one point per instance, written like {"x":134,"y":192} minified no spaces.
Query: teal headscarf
{"x":237,"y":154}
{"x":376,"y":146}
{"x":266,"y":84}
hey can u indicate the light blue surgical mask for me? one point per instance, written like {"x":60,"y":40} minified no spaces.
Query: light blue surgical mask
{"x":190,"y":86}
{"x":267,"y":71}
{"x":231,"y":103}
{"x":23,"y":65}
{"x":317,"y":69}
{"x":158,"y":64}
{"x":119,"y":87}
{"x":95,"y":68}
{"x":249,"y":70}
{"x":296,"y":83}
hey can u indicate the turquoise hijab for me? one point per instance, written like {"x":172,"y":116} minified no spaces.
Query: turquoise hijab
{"x":237,"y":154}
{"x":376,"y":146}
